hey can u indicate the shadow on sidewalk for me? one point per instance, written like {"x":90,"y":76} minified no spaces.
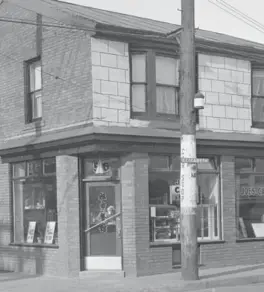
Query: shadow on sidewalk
{"x":6,"y":276}
{"x":232,"y":272}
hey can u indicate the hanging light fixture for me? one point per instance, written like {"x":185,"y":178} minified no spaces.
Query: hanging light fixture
{"x":99,"y":168}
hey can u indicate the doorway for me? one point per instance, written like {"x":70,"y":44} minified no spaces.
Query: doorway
{"x":102,"y":226}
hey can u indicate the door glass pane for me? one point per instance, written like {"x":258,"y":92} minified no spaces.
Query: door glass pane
{"x":167,"y":101}
{"x":139,"y":68}
{"x":167,"y":71}
{"x":138,"y":98}
{"x":102,"y":207}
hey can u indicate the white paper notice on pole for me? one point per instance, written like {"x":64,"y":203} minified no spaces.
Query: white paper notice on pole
{"x":188,"y":186}
{"x":49,"y":234}
{"x":31,"y":231}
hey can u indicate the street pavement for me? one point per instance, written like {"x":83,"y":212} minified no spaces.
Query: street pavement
{"x":227,"y":279}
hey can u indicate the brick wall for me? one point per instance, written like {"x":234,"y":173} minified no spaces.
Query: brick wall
{"x":139,"y":258}
{"x":67,"y":84}
{"x":226,"y":83}
{"x":111,"y":91}
{"x":63,"y":261}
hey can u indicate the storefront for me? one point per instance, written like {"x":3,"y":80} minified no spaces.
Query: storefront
{"x":120,"y":210}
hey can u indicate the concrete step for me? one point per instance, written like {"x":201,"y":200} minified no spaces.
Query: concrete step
{"x":102,"y":274}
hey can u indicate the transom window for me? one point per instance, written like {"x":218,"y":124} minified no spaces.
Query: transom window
{"x":155,"y":85}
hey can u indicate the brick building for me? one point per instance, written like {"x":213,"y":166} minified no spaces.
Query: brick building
{"x":89,"y":131}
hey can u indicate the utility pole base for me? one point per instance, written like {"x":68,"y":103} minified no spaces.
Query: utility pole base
{"x":189,"y":254}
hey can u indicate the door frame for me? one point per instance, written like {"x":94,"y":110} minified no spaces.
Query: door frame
{"x":86,"y":183}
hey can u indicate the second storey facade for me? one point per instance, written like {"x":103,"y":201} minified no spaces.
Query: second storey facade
{"x":90,"y":144}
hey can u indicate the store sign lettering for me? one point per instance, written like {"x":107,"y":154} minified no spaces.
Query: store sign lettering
{"x":251,"y":191}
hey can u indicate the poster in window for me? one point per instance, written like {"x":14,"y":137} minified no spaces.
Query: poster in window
{"x":49,"y":234}
{"x":31,"y":231}
{"x":258,"y":229}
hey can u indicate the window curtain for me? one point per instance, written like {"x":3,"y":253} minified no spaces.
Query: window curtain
{"x":166,"y":100}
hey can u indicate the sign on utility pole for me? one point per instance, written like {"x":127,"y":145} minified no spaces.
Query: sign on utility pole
{"x":189,"y":254}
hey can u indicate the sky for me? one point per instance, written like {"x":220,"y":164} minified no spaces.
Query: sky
{"x":207,"y":15}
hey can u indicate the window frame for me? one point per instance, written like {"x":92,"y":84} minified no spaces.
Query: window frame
{"x":237,"y":201}
{"x":22,"y":179}
{"x":169,"y":169}
{"x":151,"y":84}
{"x":219,"y":205}
{"x":29,"y":109}
{"x":255,"y":124}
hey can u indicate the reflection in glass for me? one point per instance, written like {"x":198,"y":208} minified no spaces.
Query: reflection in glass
{"x":250,"y":204}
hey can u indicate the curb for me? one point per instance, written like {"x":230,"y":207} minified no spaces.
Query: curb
{"x":228,"y":282}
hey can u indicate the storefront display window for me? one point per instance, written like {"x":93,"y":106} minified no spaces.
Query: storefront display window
{"x":164,"y":199}
{"x":250,"y":197}
{"x":35,"y":202}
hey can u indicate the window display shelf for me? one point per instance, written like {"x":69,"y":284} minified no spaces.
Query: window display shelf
{"x":165,"y":224}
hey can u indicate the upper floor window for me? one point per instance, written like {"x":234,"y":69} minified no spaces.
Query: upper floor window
{"x":33,"y":80}
{"x":258,"y":97}
{"x":155,"y":85}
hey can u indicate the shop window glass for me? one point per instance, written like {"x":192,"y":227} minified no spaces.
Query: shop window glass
{"x":250,"y":201}
{"x":35,"y":202}
{"x":164,"y":200}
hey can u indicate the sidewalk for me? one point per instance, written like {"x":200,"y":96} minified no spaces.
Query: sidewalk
{"x":220,"y":277}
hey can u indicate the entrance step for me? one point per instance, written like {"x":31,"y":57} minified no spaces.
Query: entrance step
{"x":102,"y":274}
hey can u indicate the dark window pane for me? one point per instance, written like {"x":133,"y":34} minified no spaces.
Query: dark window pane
{"x":49,"y":165}
{"x":159,"y":162}
{"x":243,"y":164}
{"x":160,"y":184}
{"x":176,"y":163}
{"x":259,"y":164}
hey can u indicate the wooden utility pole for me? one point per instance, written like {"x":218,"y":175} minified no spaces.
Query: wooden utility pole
{"x":189,"y":255}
